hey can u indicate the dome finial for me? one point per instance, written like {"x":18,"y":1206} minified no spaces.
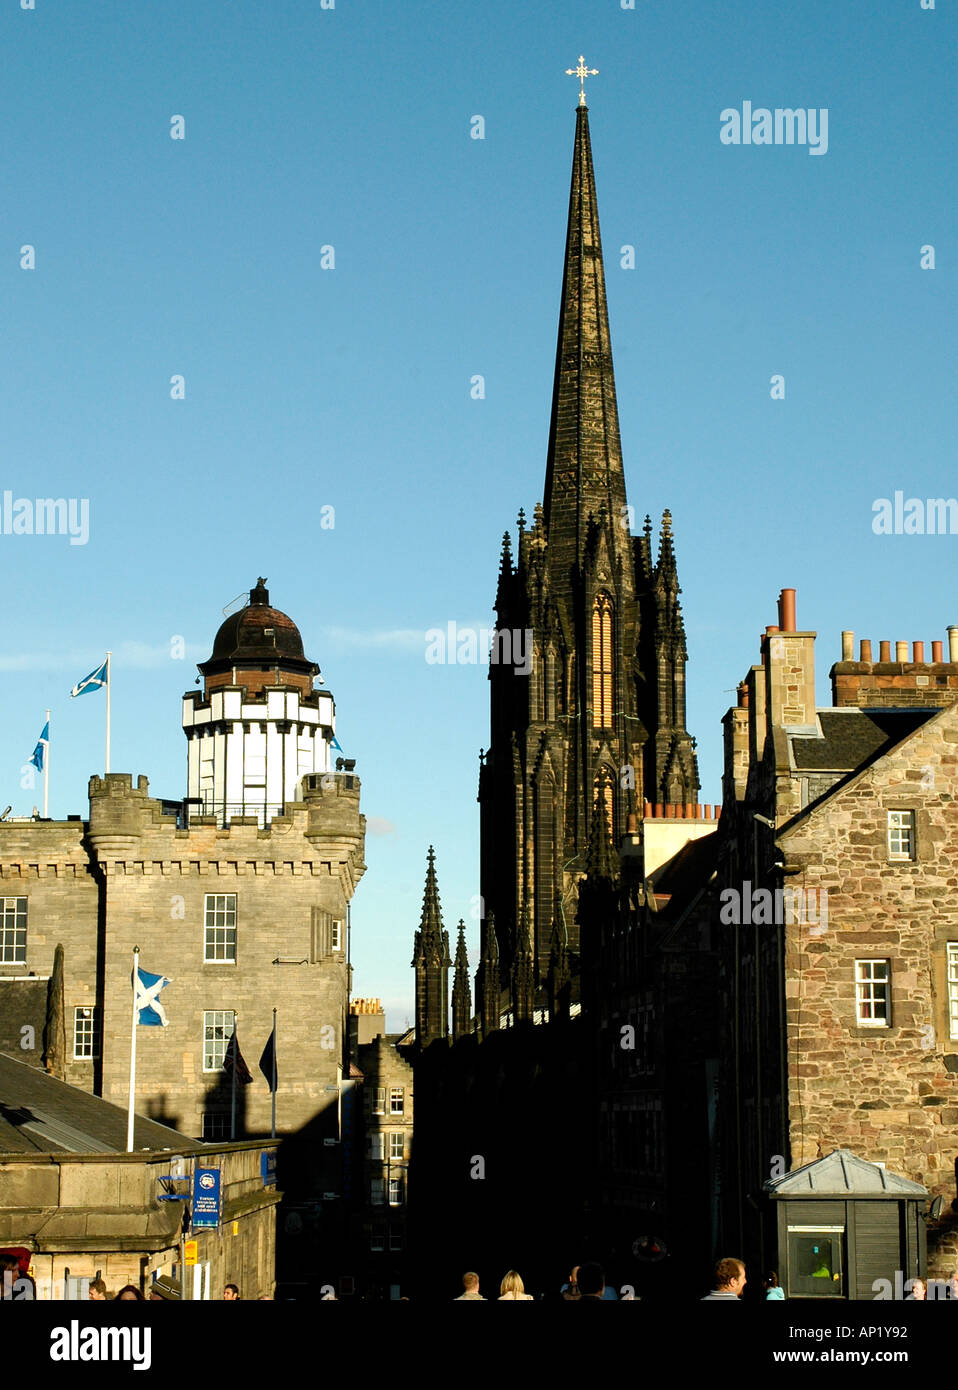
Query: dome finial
{"x":259,"y":594}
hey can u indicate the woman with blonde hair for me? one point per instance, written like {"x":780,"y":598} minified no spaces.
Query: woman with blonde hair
{"x":513,"y":1287}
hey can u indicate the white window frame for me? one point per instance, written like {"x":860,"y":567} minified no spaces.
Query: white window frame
{"x":336,"y":935}
{"x":396,"y":1187}
{"x":901,"y":832}
{"x":952,"y":976}
{"x":216,"y":943}
{"x":224,"y":1019}
{"x":394,"y":1136}
{"x":395,"y":1091}
{"x":377,"y":1146}
{"x":377,"y":1192}
{"x":86,"y":1032}
{"x":866,"y":978}
{"x":13,"y":912}
{"x":379,"y":1100}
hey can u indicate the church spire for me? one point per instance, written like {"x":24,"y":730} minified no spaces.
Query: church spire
{"x":461,"y":995}
{"x":431,"y":960}
{"x":584,"y":467}
{"x":487,"y":979}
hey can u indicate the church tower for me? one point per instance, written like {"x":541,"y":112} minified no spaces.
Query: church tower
{"x":259,"y":726}
{"x":600,"y":718}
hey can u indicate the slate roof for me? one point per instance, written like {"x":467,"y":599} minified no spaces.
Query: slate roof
{"x":853,"y":738}
{"x":39,"y":1114}
{"x":842,"y":1172}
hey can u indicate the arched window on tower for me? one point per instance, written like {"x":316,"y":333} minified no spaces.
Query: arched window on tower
{"x":602,"y":662}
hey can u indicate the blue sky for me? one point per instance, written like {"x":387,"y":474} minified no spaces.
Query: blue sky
{"x":350,"y":387}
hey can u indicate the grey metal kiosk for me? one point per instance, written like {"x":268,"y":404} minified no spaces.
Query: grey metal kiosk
{"x":843,"y":1224}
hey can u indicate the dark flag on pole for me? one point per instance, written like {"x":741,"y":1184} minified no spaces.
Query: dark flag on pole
{"x":232,"y":1057}
{"x":267,"y":1063}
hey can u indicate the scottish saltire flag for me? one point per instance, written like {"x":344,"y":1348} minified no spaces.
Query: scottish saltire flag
{"x":149,"y":1010}
{"x":267,"y":1063}
{"x":40,"y":749}
{"x":337,"y":744}
{"x":94,"y":681}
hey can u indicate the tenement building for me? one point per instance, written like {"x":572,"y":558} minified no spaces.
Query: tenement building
{"x":239,"y":895}
{"x":837,"y":921}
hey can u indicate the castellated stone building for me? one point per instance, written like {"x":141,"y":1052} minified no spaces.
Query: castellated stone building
{"x":839,"y":925}
{"x":240,"y":895}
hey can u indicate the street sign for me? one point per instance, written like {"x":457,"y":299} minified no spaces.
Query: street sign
{"x":206,"y":1197}
{"x":267,"y":1166}
{"x":190,"y":1248}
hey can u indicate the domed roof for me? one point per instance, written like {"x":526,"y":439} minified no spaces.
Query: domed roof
{"x":258,"y":634}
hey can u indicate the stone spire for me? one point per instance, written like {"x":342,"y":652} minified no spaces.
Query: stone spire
{"x":431,"y":960}
{"x":487,"y":979}
{"x":523,"y":971}
{"x":584,"y":466}
{"x":461,"y":995}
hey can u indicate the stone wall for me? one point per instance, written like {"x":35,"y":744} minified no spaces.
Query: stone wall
{"x":888,"y":1093}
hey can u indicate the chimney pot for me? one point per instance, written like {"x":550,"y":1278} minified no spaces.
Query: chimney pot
{"x":848,"y":645}
{"x":953,"y":644}
{"x":918,"y":652}
{"x":786,"y":610}
{"x":884,"y":651}
{"x":901,"y":651}
{"x":743,"y":696}
{"x":936,"y":652}
{"x":866,"y":651}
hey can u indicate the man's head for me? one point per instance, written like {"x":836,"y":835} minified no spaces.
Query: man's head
{"x":730,"y":1276}
{"x":591,"y":1279}
{"x":231,"y":1293}
{"x":98,"y":1290}
{"x":470,"y":1282}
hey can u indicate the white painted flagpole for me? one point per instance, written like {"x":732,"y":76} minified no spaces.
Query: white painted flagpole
{"x":108,"y":711}
{"x":46,"y":773}
{"x":129,"y":1122}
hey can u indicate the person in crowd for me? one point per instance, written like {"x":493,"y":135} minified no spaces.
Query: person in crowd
{"x":129,"y":1292}
{"x":729,"y":1281}
{"x":591,"y":1281}
{"x":470,"y":1286}
{"x":570,"y":1292}
{"x":773,"y":1290}
{"x":231,"y":1293}
{"x":513,"y":1287}
{"x":97,"y":1291}
{"x":919,"y":1290}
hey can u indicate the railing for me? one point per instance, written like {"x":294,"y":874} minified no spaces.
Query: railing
{"x":225,"y":811}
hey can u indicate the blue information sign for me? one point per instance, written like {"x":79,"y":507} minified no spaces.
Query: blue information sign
{"x":267,"y":1166}
{"x":206,"y":1197}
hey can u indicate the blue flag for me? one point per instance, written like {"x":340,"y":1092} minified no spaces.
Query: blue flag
{"x":149,"y":1010}
{"x":40,"y":749}
{"x":96,"y":680}
{"x":337,"y":744}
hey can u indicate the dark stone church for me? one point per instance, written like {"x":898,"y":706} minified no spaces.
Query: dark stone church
{"x":539,"y":1139}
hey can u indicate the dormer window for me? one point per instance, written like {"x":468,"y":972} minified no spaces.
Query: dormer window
{"x":269,"y":632}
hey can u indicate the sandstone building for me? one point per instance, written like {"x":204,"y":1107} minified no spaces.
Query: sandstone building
{"x":240,"y":894}
{"x":841,"y":992}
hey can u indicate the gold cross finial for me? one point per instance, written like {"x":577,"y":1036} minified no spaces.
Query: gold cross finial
{"x":582,"y":72}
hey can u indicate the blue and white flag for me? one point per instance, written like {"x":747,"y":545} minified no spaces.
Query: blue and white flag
{"x":40,"y":750}
{"x":94,"y":681}
{"x":149,"y":1010}
{"x":337,"y":744}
